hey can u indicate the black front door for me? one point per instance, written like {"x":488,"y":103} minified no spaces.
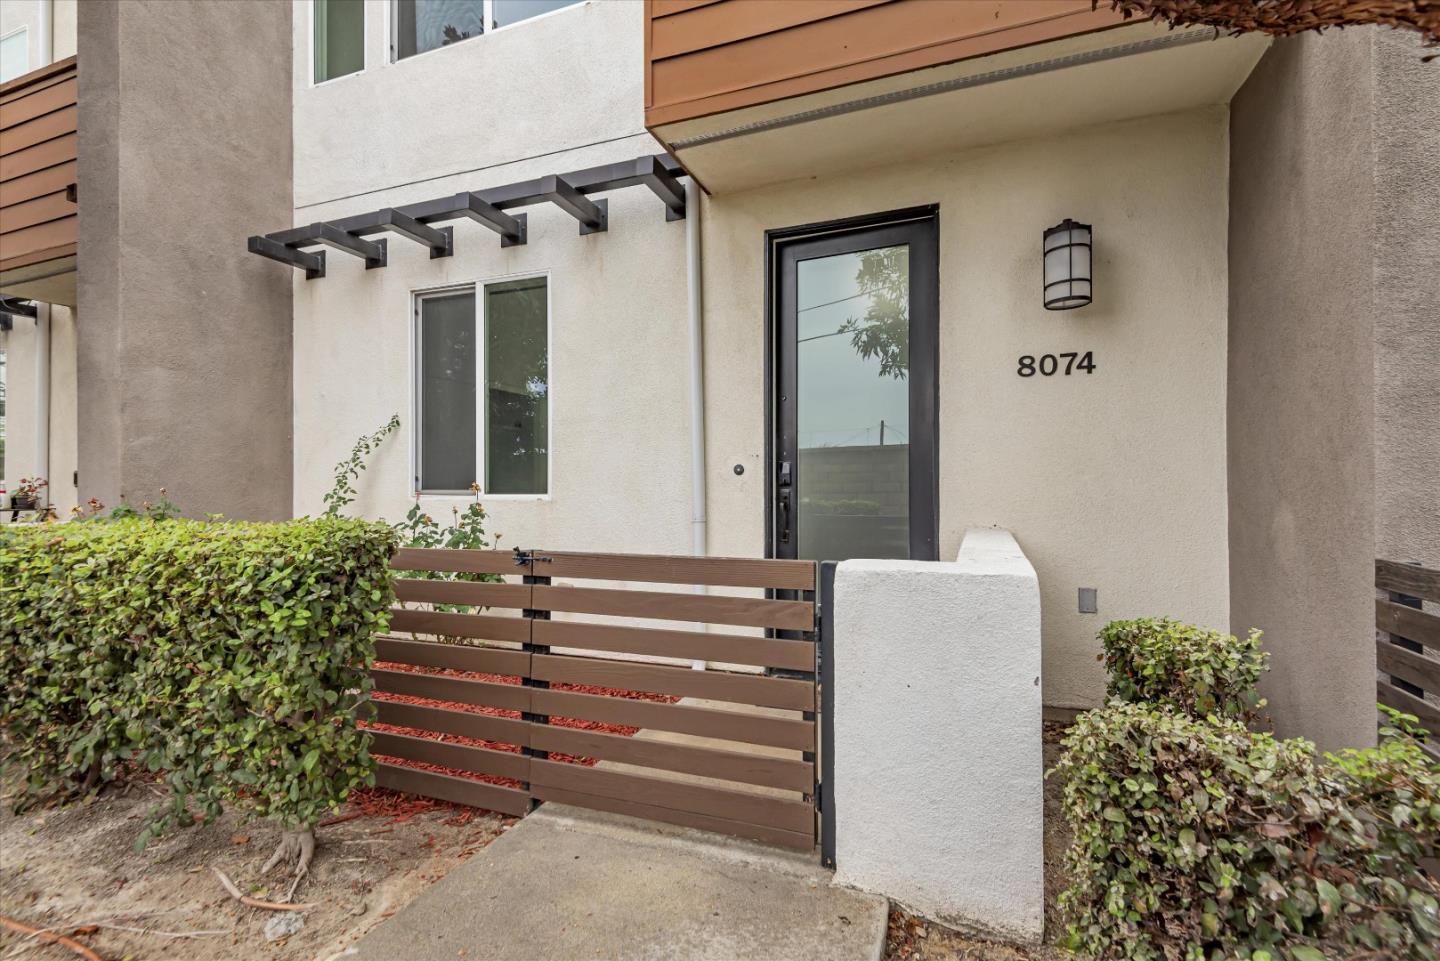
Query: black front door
{"x":856,"y":324}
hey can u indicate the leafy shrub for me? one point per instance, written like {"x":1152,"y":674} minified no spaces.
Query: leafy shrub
{"x":1199,"y":839}
{"x":1192,"y":669}
{"x":230,"y":656}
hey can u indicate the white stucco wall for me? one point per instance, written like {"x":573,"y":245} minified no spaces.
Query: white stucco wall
{"x":546,"y":86}
{"x":1115,"y":480}
{"x":559,"y":93}
{"x":15,"y":14}
{"x":938,"y":766}
{"x":22,"y":447}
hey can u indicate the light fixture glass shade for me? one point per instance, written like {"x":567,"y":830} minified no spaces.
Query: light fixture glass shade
{"x":1067,"y":266}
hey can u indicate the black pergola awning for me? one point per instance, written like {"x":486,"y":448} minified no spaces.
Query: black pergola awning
{"x":570,"y":192}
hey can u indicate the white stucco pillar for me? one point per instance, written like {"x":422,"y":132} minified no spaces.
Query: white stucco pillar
{"x":938,"y":763}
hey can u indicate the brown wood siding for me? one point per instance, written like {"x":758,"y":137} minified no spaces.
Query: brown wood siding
{"x":712,"y":56}
{"x":37,"y":164}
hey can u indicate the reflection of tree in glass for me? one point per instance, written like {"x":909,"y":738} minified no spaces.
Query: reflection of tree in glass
{"x":884,"y":331}
{"x":518,"y":368}
{"x":453,"y":35}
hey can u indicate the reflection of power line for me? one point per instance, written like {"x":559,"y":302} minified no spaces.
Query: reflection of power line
{"x":833,"y":333}
{"x":887,"y":430}
{"x":863,"y":293}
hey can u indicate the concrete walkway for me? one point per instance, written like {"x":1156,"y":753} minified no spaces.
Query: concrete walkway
{"x":570,"y":885}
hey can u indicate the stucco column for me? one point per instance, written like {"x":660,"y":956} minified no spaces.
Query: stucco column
{"x":938,"y":756}
{"x":183,"y":355}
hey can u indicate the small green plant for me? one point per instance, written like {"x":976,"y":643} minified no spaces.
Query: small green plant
{"x":342,"y":493}
{"x":466,"y":530}
{"x":1192,"y":669}
{"x":162,"y":510}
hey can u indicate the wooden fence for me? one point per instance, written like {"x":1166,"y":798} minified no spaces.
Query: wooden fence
{"x":544,"y":691}
{"x":1407,"y":649}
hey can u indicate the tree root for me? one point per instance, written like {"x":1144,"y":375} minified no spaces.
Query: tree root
{"x":255,"y":902}
{"x":298,"y":846}
{"x":47,"y":935}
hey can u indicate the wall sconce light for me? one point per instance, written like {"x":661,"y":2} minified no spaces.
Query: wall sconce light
{"x":1067,"y":266}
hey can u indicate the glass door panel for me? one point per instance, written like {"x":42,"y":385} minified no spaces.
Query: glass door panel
{"x":855,"y":430}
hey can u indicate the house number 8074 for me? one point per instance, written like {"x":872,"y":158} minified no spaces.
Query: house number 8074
{"x":1051,"y":364}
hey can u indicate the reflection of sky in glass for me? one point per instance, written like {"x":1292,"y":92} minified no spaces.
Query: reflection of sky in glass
{"x":843,"y":397}
{"x":433,"y":16}
{"x":513,"y":11}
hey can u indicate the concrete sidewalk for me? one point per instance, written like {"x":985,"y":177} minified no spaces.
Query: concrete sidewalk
{"x":570,"y":885}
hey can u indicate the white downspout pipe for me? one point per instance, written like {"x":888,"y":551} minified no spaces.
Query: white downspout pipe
{"x":696,"y":318}
{"x":46,"y":38}
{"x":42,"y":392}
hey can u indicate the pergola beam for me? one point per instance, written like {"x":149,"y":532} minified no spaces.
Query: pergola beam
{"x":440,"y":240}
{"x":312,"y":263}
{"x":371,"y":251}
{"x":652,"y":173}
{"x":592,"y":214}
{"x":510,"y":228}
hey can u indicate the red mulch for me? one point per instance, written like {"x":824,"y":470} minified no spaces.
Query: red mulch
{"x":382,"y":802}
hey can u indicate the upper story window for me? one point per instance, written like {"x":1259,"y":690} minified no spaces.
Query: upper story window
{"x":14,"y":54}
{"x":339,"y":28}
{"x":421,"y":25}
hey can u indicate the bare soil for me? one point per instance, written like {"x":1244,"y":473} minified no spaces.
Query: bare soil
{"x":912,"y":938}
{"x":74,"y":870}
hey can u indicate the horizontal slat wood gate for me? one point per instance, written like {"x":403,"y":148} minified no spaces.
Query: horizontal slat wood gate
{"x":540,"y":678}
{"x":1407,"y":641}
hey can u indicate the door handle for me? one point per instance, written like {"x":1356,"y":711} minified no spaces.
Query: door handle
{"x":784,"y":486}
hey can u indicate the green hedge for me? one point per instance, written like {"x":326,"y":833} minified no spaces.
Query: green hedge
{"x":1199,"y":839}
{"x":1192,"y":669}
{"x":230,"y":656}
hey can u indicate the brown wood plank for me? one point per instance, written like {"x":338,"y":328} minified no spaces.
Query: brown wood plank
{"x":670,"y":606}
{"x":481,"y":594}
{"x":45,"y":99}
{"x":782,"y":813}
{"x":484,"y":727}
{"x":36,"y":210}
{"x":38,"y":184}
{"x":1408,"y":666}
{"x":650,"y":812}
{"x":1408,"y":622}
{"x":793,"y":733}
{"x":482,"y":626}
{"x":42,"y":155}
{"x":52,"y":233}
{"x":680,"y":569}
{"x":694,"y":645}
{"x":459,"y":790}
{"x":461,"y":757}
{"x":460,"y":561}
{"x":45,"y":127}
{"x":50,"y":73}
{"x":738,"y":20}
{"x":507,"y":697}
{"x":457,"y":657}
{"x":29,"y":258}
{"x":791,"y":774}
{"x":756,"y":689}
{"x":666,"y":8}
{"x":1403,"y":701}
{"x":1422,"y":582}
